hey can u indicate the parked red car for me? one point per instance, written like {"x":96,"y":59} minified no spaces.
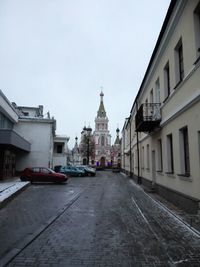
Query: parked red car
{"x":41,"y":174}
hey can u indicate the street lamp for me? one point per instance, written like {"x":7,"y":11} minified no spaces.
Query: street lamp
{"x":88,"y":132}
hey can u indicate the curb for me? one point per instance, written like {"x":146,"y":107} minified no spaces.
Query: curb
{"x":14,"y":194}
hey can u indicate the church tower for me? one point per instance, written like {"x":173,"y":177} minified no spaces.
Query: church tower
{"x":102,"y":137}
{"x":116,"y":151}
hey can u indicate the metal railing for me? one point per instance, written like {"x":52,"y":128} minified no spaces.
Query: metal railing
{"x":148,"y":112}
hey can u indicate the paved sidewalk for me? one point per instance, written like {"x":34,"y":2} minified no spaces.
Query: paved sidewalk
{"x":9,"y":188}
{"x":191,"y":220}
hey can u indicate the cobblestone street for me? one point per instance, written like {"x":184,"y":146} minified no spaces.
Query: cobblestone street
{"x":109,"y":222}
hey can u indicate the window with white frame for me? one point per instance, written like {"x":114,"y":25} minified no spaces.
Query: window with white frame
{"x":151,"y":96}
{"x":197,"y":28}
{"x":157,"y":90}
{"x":179,"y":62}
{"x":184,"y":151}
{"x":160,"y":157}
{"x":170,"y":154}
{"x":146,"y":108}
{"x":166,"y":80}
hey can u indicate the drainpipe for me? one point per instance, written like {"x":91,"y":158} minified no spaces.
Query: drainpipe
{"x":138,"y":152}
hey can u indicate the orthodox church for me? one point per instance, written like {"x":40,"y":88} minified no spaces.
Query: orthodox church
{"x":95,"y":148}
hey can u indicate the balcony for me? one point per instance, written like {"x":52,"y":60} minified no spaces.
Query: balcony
{"x":148,"y":117}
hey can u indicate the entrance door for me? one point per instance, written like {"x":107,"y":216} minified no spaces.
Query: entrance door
{"x":153,"y":156}
{"x":102,"y":162}
{"x":84,"y":161}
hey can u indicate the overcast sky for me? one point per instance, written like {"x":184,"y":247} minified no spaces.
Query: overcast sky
{"x":58,"y":53}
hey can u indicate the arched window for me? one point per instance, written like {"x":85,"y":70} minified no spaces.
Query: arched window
{"x":102,"y":140}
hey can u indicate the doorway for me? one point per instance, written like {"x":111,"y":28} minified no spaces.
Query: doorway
{"x":102,"y":162}
{"x":84,"y":161}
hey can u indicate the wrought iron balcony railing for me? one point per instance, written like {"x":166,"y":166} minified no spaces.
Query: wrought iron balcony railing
{"x":148,"y":117}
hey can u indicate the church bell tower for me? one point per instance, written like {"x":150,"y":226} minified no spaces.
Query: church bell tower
{"x":102,"y":136}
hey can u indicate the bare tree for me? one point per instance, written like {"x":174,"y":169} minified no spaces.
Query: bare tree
{"x":87,"y":147}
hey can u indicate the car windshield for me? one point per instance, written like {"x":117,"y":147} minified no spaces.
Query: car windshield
{"x":45,"y":170}
{"x":50,"y":170}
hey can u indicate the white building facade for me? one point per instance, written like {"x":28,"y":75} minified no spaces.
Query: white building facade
{"x":40,"y":132}
{"x":161,"y":138}
{"x":28,"y":139}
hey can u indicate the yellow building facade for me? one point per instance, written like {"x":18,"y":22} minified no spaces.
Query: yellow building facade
{"x":160,"y":144}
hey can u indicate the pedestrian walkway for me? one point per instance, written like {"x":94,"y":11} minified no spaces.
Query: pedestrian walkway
{"x":191,"y":220}
{"x":9,"y":188}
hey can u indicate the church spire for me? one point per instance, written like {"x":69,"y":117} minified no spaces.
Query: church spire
{"x":117,"y":140}
{"x":101,"y":112}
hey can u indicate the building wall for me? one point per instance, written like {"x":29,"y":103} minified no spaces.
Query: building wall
{"x":179,"y":109}
{"x":59,"y":159}
{"x":39,"y":134}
